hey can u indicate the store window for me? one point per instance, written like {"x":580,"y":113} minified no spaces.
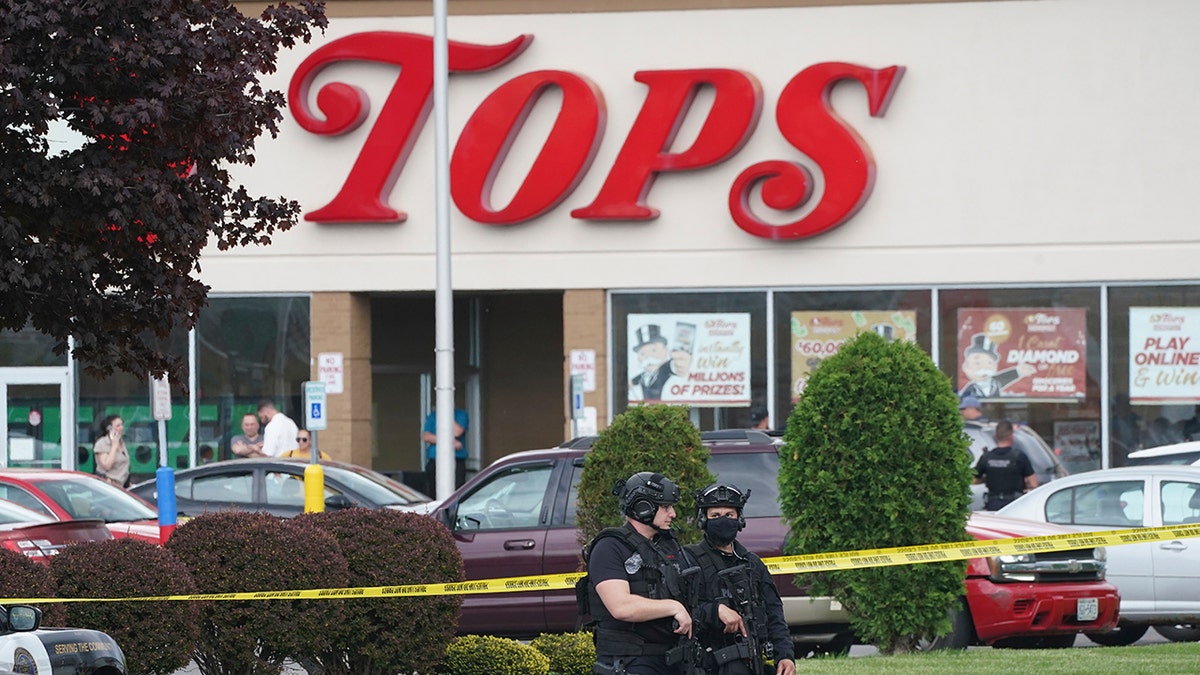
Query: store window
{"x":27,"y":348}
{"x":704,"y":350}
{"x":1155,"y":372}
{"x":810,"y":326}
{"x":249,"y":349}
{"x":127,"y":396}
{"x":1030,"y":355}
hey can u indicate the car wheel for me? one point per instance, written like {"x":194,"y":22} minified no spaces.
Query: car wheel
{"x":961,"y":635}
{"x":1121,"y":636}
{"x":1180,"y":633}
{"x":1041,"y":642}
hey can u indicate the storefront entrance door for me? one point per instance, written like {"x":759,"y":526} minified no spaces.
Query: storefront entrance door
{"x":37,"y":421}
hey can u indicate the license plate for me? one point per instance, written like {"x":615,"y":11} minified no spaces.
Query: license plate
{"x":1087,"y":609}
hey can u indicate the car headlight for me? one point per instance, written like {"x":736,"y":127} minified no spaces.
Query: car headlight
{"x":1008,"y":568}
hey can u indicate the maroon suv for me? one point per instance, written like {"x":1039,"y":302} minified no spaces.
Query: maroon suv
{"x":517,"y":518}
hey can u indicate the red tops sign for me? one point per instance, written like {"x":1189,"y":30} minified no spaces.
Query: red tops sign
{"x":804,"y":116}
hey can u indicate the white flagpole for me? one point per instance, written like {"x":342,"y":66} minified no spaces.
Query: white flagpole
{"x":444,"y":294}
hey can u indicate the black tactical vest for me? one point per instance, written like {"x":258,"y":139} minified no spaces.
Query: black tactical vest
{"x":1004,"y":471}
{"x":657,"y":577}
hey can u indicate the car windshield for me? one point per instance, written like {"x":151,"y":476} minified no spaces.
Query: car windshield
{"x":376,"y":487}
{"x":14,"y":513}
{"x":88,"y":497}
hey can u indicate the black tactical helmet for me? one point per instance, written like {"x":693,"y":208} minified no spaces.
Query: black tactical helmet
{"x":720,"y":494}
{"x":642,"y":494}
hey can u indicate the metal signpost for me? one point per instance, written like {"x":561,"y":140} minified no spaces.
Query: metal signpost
{"x":164,"y":477}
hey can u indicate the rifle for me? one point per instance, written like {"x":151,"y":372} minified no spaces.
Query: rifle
{"x":755,"y":649}
{"x":689,"y":651}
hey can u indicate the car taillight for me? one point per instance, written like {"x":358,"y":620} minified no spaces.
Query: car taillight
{"x":33,"y":548}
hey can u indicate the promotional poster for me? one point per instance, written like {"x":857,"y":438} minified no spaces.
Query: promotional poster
{"x":1164,"y":355}
{"x":1022,"y":353}
{"x":696,"y":359}
{"x":819,"y":335}
{"x":1078,"y":444}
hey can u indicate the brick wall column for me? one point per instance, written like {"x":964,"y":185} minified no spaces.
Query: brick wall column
{"x":341,"y":322}
{"x":585,"y":327}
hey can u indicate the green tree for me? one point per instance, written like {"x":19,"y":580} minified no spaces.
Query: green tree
{"x":100,"y":237}
{"x":874,"y":457}
{"x":658,"y":438}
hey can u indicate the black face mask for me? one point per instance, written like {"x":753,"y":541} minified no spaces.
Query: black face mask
{"x":721,"y":531}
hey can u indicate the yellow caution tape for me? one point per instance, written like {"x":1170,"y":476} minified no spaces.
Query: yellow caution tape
{"x":816,"y":562}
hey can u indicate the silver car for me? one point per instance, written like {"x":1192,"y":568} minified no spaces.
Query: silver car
{"x":1159,"y":581}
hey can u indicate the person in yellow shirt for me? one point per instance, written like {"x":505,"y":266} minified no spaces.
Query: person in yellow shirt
{"x":305,"y":449}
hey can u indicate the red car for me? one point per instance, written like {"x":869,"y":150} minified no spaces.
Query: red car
{"x":72,"y":495}
{"x":1038,"y":600}
{"x":38,"y":536}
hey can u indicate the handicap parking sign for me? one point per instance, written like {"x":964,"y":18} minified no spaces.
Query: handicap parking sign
{"x":314,"y":406}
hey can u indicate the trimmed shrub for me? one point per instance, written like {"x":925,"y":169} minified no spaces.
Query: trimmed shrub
{"x":657,"y":438}
{"x":157,"y":637}
{"x":569,"y":653}
{"x":20,"y":577}
{"x":230,"y":552}
{"x":394,"y":635}
{"x":478,"y":654}
{"x":875,"y":456}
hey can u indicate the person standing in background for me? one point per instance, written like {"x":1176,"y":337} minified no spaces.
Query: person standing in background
{"x":969,"y":407}
{"x":112,"y":457}
{"x":304,"y":449}
{"x":279,"y":431}
{"x":429,"y":435}
{"x":1005,"y":469}
{"x":250,"y":442}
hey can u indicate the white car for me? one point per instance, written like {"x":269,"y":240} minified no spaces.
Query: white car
{"x":27,"y":647}
{"x":1176,"y":453}
{"x":1159,"y":581}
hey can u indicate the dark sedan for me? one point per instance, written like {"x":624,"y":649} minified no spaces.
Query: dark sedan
{"x":277,"y":486}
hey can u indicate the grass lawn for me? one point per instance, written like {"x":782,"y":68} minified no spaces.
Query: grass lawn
{"x":1159,"y":659}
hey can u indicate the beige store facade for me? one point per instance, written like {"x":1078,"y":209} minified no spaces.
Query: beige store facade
{"x":944,"y":162}
{"x":1020,"y":163}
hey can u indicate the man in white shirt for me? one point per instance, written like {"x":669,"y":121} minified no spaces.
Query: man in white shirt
{"x":279,"y":431}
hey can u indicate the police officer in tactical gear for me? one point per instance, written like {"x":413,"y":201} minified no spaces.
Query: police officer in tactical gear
{"x":636,"y":592}
{"x":749,"y":635}
{"x":1006,"y":470}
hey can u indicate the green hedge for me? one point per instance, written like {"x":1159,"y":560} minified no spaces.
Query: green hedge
{"x":875,"y":456}
{"x":569,"y":653}
{"x":658,"y":438}
{"x":484,"y":654}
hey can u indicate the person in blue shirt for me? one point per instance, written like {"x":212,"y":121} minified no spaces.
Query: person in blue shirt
{"x":429,"y":435}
